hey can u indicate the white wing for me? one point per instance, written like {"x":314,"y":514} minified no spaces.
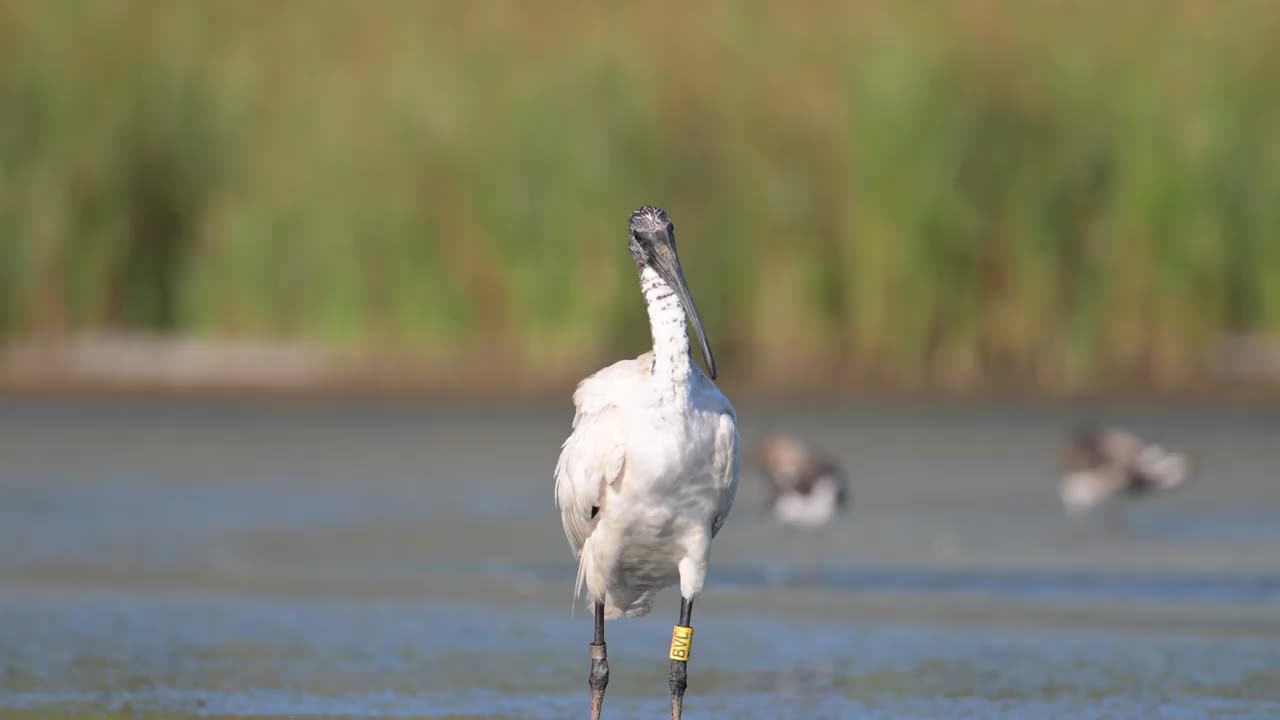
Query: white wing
{"x":728,"y":463}
{"x":592,"y":458}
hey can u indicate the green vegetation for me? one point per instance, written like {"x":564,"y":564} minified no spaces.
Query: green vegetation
{"x":950,"y":192}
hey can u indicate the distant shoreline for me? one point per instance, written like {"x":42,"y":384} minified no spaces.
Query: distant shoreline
{"x":124,"y":364}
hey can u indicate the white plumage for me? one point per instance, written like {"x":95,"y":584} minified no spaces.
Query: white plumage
{"x":650,"y":471}
{"x":810,"y":511}
{"x":643,"y":486}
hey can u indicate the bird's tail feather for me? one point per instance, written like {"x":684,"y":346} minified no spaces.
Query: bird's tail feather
{"x":580,"y":582}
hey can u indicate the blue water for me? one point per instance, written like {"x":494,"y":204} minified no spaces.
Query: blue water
{"x":265,"y":559}
{"x":232,"y":655}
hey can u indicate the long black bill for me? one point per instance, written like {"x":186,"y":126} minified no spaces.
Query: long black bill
{"x":667,"y":265}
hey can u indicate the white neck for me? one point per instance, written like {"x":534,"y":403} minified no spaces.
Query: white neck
{"x":672,"y":365}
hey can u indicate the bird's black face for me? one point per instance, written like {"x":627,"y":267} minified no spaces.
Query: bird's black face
{"x":653,"y":245}
{"x":651,"y":234}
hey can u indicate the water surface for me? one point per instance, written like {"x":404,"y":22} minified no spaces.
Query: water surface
{"x":202,"y":557}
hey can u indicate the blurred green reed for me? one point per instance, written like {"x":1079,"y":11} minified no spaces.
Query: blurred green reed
{"x":955,"y":191}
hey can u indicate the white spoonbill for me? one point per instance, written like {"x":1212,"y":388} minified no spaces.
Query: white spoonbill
{"x":649,"y":473}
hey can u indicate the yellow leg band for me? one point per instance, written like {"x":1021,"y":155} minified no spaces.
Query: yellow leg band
{"x":681,"y":643}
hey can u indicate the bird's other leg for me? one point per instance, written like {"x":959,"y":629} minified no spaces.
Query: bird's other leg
{"x":681,"y":644}
{"x":819,"y":553}
{"x":599,"y":678}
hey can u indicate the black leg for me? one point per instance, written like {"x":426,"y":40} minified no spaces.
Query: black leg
{"x":599,"y":678}
{"x":681,"y":644}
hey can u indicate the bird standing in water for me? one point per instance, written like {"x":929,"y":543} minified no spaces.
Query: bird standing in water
{"x":806,"y":487}
{"x":1100,"y":464}
{"x":649,"y":473}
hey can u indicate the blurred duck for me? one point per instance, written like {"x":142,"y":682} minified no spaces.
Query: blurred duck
{"x":806,"y":488}
{"x":1102,"y":463}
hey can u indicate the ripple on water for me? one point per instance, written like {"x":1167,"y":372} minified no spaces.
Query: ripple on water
{"x":226,"y":655}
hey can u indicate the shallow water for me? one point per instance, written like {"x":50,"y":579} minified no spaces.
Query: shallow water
{"x":176,"y":557}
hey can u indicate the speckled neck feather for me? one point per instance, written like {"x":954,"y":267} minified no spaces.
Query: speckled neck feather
{"x":672,"y":365}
